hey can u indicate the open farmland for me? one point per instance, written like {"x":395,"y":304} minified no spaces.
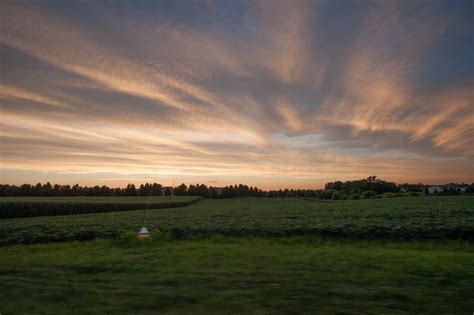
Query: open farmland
{"x":436,"y":218}
{"x":246,"y":255}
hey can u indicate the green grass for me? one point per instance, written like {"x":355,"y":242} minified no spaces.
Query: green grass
{"x":290,"y":256}
{"x":19,"y":207}
{"x":439,"y":218}
{"x":229,"y":275}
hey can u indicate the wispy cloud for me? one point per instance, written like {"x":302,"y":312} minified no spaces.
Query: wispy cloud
{"x":296,"y":92}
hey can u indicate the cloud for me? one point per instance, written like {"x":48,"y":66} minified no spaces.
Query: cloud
{"x":13,"y":93}
{"x":295,"y":91}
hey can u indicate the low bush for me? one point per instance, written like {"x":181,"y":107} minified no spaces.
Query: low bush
{"x":336,"y":196}
{"x":368,"y":194}
{"x":354,"y":197}
{"x":393,"y":195}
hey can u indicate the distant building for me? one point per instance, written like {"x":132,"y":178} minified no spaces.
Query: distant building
{"x":446,"y":188}
{"x":435,"y":189}
{"x":219,"y":191}
{"x":456,"y":188}
{"x":167,"y":191}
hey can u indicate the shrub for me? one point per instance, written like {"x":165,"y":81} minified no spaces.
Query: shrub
{"x":127,"y":239}
{"x":369,"y":194}
{"x":394,"y":195}
{"x":326,"y":194}
{"x":336,"y":196}
{"x":354,"y":196}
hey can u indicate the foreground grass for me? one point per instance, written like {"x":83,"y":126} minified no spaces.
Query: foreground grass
{"x":287,"y":275}
{"x":449,"y":217}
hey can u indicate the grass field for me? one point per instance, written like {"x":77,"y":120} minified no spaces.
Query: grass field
{"x":228,"y":275}
{"x":392,"y":218}
{"x":249,"y":255}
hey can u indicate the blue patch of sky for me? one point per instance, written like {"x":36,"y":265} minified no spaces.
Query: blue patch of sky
{"x":450,"y":62}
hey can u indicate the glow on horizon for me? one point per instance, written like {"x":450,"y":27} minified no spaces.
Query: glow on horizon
{"x":280,"y":94}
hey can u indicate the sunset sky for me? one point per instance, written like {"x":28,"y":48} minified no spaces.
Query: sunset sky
{"x":269,"y":93}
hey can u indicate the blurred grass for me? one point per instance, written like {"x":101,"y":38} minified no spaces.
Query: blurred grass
{"x":238,"y":275}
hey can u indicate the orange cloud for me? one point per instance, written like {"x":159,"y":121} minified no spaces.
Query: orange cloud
{"x":272,"y":104}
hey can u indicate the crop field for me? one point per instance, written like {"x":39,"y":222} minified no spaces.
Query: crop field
{"x":408,"y":255}
{"x":436,"y":218}
{"x":18,"y":207}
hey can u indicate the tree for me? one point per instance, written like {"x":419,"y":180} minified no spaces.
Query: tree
{"x":130,"y":190}
{"x":181,"y":190}
{"x":47,"y":189}
{"x":156,"y":189}
{"x":168,"y":191}
{"x":336,"y":196}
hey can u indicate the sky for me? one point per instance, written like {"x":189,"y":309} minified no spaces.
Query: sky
{"x":269,"y":93}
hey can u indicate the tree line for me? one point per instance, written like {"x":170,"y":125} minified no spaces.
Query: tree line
{"x":148,"y":189}
{"x":371,"y":187}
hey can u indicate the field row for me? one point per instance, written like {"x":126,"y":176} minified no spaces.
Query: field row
{"x":406,"y":218}
{"x":21,"y":207}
